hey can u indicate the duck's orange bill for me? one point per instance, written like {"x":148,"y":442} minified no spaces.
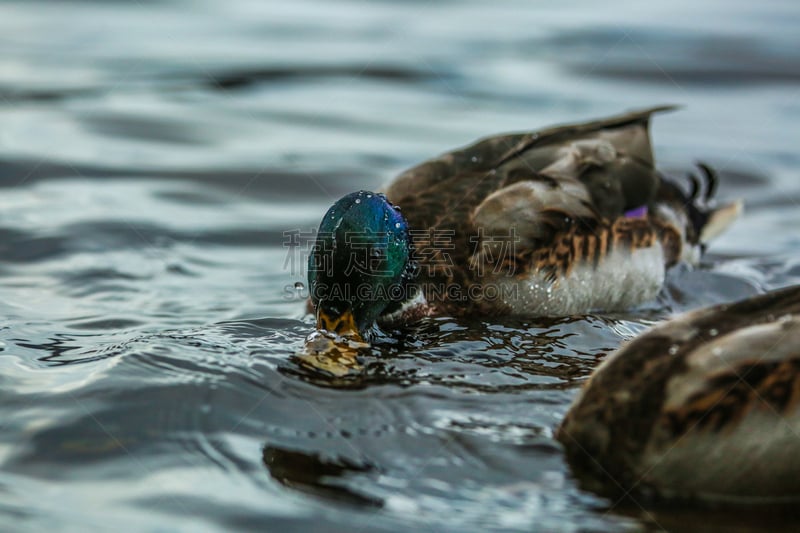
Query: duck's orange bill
{"x":334,"y":347}
{"x":343,"y":325}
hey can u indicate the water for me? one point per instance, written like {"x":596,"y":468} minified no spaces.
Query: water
{"x":156,"y":156}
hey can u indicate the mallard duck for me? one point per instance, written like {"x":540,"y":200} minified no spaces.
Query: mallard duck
{"x":702,"y":407}
{"x":563,"y":221}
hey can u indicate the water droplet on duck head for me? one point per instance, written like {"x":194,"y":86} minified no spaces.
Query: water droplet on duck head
{"x":397,"y":225}
{"x":358,"y":200}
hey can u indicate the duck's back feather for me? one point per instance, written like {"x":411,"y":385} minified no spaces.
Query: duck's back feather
{"x":612,"y":157}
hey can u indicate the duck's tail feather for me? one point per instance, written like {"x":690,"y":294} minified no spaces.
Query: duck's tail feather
{"x":709,"y":221}
{"x":719,"y":219}
{"x":703,"y":219}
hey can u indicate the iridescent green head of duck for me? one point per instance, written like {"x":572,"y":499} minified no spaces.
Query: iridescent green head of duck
{"x":360,"y":265}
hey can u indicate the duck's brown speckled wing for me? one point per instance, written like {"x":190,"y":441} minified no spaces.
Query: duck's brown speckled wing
{"x":678,"y":394}
{"x":534,"y":182}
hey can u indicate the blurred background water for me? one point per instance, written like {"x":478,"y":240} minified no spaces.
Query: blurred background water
{"x":154,"y":156}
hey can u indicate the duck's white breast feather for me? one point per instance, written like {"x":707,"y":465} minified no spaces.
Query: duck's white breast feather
{"x":621,"y":280}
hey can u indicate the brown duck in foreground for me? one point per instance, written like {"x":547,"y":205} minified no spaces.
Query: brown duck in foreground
{"x":703,"y":407}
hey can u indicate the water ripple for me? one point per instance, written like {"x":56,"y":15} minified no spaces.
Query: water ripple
{"x":153,"y":159}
